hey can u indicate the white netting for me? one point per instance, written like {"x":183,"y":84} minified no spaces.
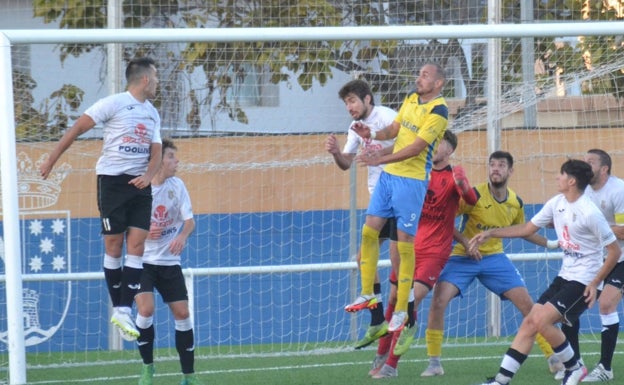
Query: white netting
{"x":249,"y":120}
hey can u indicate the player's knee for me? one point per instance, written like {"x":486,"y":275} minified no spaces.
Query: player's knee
{"x":438,"y":306}
{"x":535,"y":322}
{"x":609,"y":301}
{"x":368,"y":233}
{"x":181,"y":314}
{"x":113,"y":245}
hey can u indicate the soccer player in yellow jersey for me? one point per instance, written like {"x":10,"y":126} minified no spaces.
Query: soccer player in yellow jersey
{"x":400,"y":191}
{"x":497,"y":206}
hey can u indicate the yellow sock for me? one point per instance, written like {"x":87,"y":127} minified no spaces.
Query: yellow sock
{"x":434,"y":338}
{"x":544,"y":345}
{"x":368,"y":259}
{"x":406,"y":274}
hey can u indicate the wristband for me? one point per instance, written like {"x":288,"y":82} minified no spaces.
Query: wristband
{"x":373,"y":134}
{"x":552,"y":244}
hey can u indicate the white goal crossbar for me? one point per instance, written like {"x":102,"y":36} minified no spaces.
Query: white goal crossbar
{"x":407,"y":32}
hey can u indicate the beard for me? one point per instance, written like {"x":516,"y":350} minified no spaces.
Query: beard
{"x":363,"y":114}
{"x":498,"y":184}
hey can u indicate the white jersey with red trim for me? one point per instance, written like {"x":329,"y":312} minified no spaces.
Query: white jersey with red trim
{"x":130,"y":127}
{"x":379,"y":118}
{"x":171,"y":206}
{"x":582,"y":231}
{"x":610,"y":200}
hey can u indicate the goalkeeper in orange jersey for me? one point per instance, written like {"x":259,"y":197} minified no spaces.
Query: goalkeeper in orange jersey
{"x":400,"y":192}
{"x":497,"y":206}
{"x":432,"y":246}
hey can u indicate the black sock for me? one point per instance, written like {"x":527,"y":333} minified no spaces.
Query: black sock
{"x":145,"y":343}
{"x":130,"y":280}
{"x":518,"y":357}
{"x":609,"y":340}
{"x":377,"y":314}
{"x":572,"y":334}
{"x":113,"y":283}
{"x":186,"y":350}
{"x":411,"y":314}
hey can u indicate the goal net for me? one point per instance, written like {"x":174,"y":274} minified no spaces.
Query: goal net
{"x":270,"y":264}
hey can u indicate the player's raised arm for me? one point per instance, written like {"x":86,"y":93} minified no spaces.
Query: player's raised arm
{"x":82,"y":125}
{"x":522,"y":230}
{"x":467,"y":193}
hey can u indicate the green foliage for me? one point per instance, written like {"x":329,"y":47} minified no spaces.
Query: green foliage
{"x":72,"y":14}
{"x":302,"y":62}
{"x":306,"y":63}
{"x":50,"y":120}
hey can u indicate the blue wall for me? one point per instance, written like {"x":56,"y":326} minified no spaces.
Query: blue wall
{"x":280,"y":309}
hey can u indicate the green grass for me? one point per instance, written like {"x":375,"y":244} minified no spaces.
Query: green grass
{"x":465,"y":364}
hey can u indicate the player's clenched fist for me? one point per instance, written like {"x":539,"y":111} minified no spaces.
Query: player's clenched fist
{"x":331,"y":144}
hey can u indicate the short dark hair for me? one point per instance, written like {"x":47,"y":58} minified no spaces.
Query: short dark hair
{"x":168,"y":143}
{"x":441,"y":74}
{"x":358,"y":87}
{"x":605,"y":159}
{"x":579,"y":170}
{"x":502,"y":155}
{"x":451,"y":138}
{"x":137,"y":68}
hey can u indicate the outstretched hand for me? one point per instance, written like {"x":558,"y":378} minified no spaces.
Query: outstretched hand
{"x":369,"y":157}
{"x":45,"y":168}
{"x":361,"y":129}
{"x":476,"y":241}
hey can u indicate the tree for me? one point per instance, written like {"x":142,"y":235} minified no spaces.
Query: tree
{"x":51,"y":118}
{"x":225,"y":65}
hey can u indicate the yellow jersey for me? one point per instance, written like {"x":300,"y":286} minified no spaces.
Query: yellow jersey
{"x":427,"y":121}
{"x":486,"y":214}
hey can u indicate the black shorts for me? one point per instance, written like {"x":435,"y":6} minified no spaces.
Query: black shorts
{"x":168,"y":280}
{"x":616,"y":277}
{"x":567,"y":297}
{"x":122,"y":205}
{"x":389,"y":231}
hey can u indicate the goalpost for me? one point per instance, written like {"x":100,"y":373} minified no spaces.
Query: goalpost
{"x":278,"y":195}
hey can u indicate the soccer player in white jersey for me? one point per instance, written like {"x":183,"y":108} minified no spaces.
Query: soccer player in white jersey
{"x":607,"y":192}
{"x":583,"y":234}
{"x":131,"y":155}
{"x":171,"y":224}
{"x":360,"y":104}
